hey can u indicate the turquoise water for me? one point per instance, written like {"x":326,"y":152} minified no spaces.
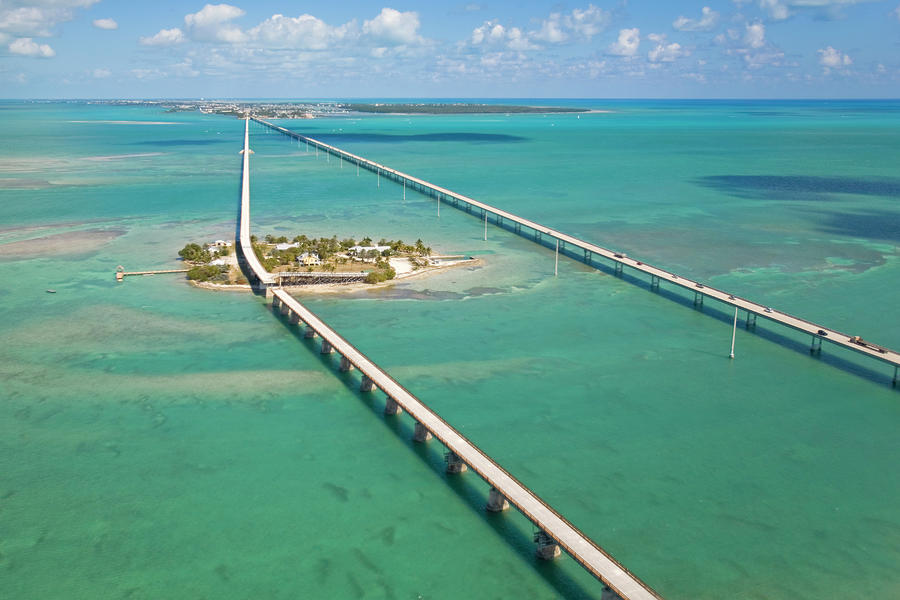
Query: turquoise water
{"x":160,"y":440}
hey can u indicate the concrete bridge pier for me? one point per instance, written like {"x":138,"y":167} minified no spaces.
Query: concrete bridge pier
{"x":327,"y":348}
{"x":285,"y":309}
{"x":750,"y":323}
{"x":346,"y":365}
{"x":547,"y":548}
{"x":618,"y":270}
{"x":276,"y":302}
{"x":698,"y":300}
{"x":815,"y":347}
{"x":609,"y":594}
{"x":294,"y":318}
{"x":270,"y":293}
{"x":894,"y":381}
{"x":366,"y":385}
{"x":391,"y":407}
{"x":421,"y":433}
{"x":654,"y":283}
{"x":497,"y":502}
{"x":310,"y":333}
{"x":454,"y":463}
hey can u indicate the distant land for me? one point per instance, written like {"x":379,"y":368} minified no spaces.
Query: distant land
{"x":307,"y":110}
{"x":456,"y":108}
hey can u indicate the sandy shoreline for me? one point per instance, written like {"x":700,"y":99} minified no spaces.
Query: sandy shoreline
{"x":342,"y":288}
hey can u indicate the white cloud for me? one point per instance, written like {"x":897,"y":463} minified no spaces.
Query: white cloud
{"x":581,"y":22}
{"x":551,"y":30}
{"x":28,"y":47}
{"x":303,"y":32}
{"x":708,"y":20}
{"x":755,"y":35}
{"x":664,"y":52}
{"x":37,"y":17}
{"x":212,"y":24}
{"x":392,"y":27}
{"x":101,"y":73}
{"x":164,"y":37}
{"x":780,"y":10}
{"x":105,"y":24}
{"x":896,"y":12}
{"x":831,"y":58}
{"x":628,"y":42}
{"x":589,"y":21}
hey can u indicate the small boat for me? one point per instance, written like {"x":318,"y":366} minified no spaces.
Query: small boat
{"x":51,"y":291}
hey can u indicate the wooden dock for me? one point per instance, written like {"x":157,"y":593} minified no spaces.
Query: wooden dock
{"x":618,"y":581}
{"x":618,"y":260}
{"x":120,"y":275}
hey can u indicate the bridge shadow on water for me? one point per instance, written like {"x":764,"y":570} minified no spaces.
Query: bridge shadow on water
{"x":468,"y":487}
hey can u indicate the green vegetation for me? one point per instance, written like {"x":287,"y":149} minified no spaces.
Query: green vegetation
{"x":195,"y":253}
{"x":208,"y":273}
{"x":383,"y":271}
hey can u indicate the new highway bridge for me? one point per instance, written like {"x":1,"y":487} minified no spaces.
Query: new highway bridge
{"x":619,"y":260}
{"x":554,"y":531}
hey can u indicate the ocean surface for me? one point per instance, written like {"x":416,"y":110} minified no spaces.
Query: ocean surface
{"x":163,"y":441}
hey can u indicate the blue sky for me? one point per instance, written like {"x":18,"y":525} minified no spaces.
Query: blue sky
{"x":356,"y":48}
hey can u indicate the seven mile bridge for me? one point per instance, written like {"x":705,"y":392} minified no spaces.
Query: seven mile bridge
{"x":587,"y":252}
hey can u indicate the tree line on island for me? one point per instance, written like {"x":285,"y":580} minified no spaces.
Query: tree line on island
{"x":282,"y":254}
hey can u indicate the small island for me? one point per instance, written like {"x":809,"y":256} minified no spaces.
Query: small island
{"x":316,"y":262}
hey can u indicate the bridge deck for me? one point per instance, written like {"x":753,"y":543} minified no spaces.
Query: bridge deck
{"x":576,"y":543}
{"x":834,"y":336}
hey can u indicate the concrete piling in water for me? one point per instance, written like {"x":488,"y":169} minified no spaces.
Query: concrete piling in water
{"x":454,"y":463}
{"x":497,"y":502}
{"x":327,"y":348}
{"x":285,"y":309}
{"x":609,"y":594}
{"x":294,"y":318}
{"x":310,"y":333}
{"x":366,"y":385}
{"x":547,"y":548}
{"x":391,"y":407}
{"x":421,"y":433}
{"x":346,"y":365}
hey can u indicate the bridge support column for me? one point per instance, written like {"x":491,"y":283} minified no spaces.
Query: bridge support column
{"x":587,"y":256}
{"x":698,"y":300}
{"x":366,"y":385}
{"x":654,"y":283}
{"x":276,"y":302}
{"x":285,"y":309}
{"x":750,"y":323}
{"x":815,"y":346}
{"x":346,"y":365}
{"x":391,"y":407}
{"x":270,"y":293}
{"x":310,"y":333}
{"x":454,"y":463}
{"x":618,"y":270}
{"x":421,"y":434}
{"x":609,"y":594}
{"x":547,"y":548}
{"x":497,"y":502}
{"x":518,"y":228}
{"x":894,"y":381}
{"x":327,"y":348}
{"x":294,"y":318}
